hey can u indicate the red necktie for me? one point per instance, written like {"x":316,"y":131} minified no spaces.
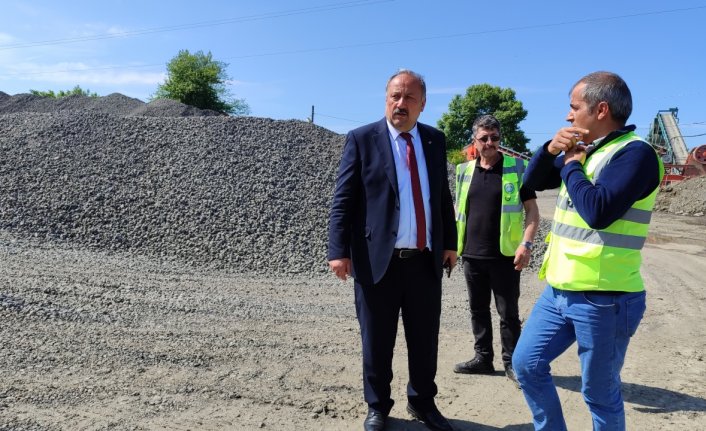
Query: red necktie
{"x":416,"y":193}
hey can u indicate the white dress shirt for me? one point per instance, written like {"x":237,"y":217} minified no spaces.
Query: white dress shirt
{"x":407,"y":230}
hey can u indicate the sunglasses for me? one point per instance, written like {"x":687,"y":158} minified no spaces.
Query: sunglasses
{"x":484,"y":139}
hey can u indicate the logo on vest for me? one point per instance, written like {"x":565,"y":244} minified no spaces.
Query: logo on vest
{"x":509,"y":188}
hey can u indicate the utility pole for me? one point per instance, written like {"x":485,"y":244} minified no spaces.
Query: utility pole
{"x":311,"y":119}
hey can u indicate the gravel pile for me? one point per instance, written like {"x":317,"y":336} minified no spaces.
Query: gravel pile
{"x":114,"y":104}
{"x":545,"y":226}
{"x":167,"y":180}
{"x":687,"y":197}
{"x":174,"y":182}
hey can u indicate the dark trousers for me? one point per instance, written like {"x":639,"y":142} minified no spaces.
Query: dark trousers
{"x":499,"y":278}
{"x":410,"y":286}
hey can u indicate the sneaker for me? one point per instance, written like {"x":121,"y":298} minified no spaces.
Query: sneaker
{"x":510,"y":373}
{"x":475,"y":366}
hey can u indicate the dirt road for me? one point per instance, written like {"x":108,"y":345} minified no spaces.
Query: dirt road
{"x":93,"y":342}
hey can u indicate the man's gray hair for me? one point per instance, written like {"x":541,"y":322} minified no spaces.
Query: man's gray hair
{"x":610,"y":88}
{"x":414,"y":75}
{"x":486,"y":121}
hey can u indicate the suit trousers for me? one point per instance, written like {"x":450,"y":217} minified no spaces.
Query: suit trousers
{"x":411,"y":287}
{"x":499,"y":279}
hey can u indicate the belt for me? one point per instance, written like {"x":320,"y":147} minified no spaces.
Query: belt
{"x":406,"y":253}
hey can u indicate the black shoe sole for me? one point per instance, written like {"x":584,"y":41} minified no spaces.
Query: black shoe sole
{"x":484,"y":373}
{"x":466,"y":371}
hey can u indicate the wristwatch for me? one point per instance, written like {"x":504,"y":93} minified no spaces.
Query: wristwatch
{"x":528,"y":245}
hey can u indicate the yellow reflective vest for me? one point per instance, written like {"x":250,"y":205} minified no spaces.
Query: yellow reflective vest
{"x":511,"y":220}
{"x":580,"y":258}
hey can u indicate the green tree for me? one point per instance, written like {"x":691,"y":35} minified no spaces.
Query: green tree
{"x":76,"y":91}
{"x":480,"y":100}
{"x":199,"y":80}
{"x":455,"y":156}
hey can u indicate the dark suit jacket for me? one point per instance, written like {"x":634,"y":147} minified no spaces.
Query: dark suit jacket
{"x":366,"y":208}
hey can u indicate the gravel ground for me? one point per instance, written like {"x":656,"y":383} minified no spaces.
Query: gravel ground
{"x":116,"y":342}
{"x":95,"y":340}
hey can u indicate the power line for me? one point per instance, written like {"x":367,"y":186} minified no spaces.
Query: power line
{"x":213,"y":23}
{"x":339,"y":118}
{"x":693,"y":136}
{"x":474,"y":33}
{"x":400,"y":41}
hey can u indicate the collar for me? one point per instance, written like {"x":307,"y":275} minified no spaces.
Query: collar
{"x":396,"y":133}
{"x":498,"y":165}
{"x":610,"y":137}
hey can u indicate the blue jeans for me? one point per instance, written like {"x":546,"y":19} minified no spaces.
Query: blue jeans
{"x":601,"y":324}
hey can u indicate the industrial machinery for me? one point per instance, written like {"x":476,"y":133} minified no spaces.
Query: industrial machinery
{"x":666,"y":138}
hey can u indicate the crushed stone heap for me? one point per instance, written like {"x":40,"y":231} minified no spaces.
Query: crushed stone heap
{"x":114,"y":104}
{"x":686,"y":197}
{"x":167,"y":180}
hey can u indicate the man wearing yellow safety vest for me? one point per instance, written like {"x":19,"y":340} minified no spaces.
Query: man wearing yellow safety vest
{"x":490,"y":198}
{"x":608,"y":178}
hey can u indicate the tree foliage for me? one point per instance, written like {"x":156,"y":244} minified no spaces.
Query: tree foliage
{"x":456,"y":156}
{"x":199,"y":80}
{"x":480,"y":100}
{"x":76,"y":91}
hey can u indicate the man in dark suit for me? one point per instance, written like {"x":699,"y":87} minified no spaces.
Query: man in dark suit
{"x":392,"y":229}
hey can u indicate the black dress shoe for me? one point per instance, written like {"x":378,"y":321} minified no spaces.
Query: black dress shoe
{"x":432,"y":418}
{"x":375,"y":421}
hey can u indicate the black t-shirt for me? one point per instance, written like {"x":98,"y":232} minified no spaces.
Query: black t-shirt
{"x":483,"y":209}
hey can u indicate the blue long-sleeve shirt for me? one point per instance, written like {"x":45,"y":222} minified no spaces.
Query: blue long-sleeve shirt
{"x":632,"y":174}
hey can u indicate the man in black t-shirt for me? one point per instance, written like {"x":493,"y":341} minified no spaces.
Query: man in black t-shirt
{"x":494,"y":242}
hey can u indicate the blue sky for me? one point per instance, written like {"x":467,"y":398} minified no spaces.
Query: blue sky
{"x":285,"y":56}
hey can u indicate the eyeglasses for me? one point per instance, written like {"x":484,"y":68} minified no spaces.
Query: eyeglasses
{"x":484,"y":139}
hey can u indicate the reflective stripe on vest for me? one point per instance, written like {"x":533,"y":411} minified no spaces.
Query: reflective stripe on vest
{"x":633,"y":214}
{"x":511,"y":220}
{"x":582,"y":258}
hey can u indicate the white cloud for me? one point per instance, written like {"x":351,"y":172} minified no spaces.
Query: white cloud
{"x":96,"y":30}
{"x":99,"y":30}
{"x":7,"y":39}
{"x":72,"y":72}
{"x":113,"y":77}
{"x":116,"y":30}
